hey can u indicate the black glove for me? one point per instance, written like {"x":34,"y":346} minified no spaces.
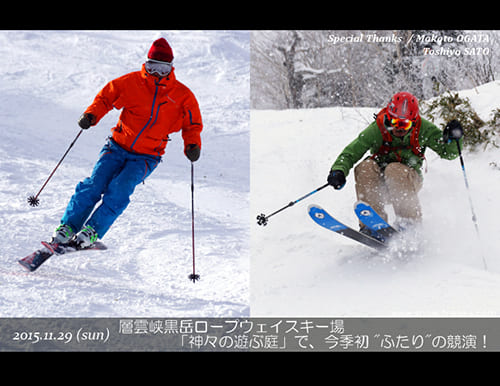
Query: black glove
{"x":336,"y":178}
{"x":86,"y":120}
{"x":192,"y":151}
{"x":453,"y":131}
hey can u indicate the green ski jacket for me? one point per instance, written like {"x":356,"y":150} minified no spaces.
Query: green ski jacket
{"x":371,"y":139}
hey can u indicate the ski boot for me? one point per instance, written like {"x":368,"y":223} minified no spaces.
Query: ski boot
{"x":62,"y":235}
{"x":85,"y":238}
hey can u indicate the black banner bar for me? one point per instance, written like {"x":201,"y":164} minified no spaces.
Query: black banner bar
{"x":250,"y":334}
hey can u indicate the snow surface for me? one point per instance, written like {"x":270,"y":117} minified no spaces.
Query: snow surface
{"x":300,"y":269}
{"x":47,"y":79}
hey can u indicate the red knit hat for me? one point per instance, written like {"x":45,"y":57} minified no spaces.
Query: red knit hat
{"x":161,"y":50}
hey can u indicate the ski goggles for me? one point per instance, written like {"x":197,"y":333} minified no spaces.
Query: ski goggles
{"x":401,"y":124}
{"x":157,"y":67}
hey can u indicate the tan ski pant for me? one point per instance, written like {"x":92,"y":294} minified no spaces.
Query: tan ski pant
{"x":398,"y":185}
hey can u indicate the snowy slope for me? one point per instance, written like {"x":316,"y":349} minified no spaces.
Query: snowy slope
{"x":300,"y":269}
{"x":47,"y":79}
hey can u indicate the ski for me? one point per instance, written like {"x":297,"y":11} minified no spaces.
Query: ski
{"x":369,"y":217}
{"x":37,"y":258}
{"x":324,"y":219}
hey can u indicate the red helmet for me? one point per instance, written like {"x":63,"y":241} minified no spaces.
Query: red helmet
{"x":403,"y":105}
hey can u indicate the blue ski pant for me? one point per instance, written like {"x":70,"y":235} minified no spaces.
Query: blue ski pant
{"x":114,"y":178}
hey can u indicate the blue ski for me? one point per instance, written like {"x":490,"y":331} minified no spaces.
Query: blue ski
{"x":324,"y":219}
{"x":373,"y":221}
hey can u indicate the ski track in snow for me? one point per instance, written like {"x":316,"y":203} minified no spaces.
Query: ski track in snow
{"x":47,"y":79}
{"x":301,"y":269}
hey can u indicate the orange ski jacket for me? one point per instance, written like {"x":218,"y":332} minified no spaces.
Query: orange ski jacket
{"x":153,"y":108}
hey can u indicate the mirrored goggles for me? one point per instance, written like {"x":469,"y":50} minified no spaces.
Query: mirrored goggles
{"x":155,"y":67}
{"x":401,"y":124}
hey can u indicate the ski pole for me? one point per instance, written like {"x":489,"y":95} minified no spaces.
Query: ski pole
{"x":262,"y":219}
{"x":474,"y":217}
{"x":33,"y":200}
{"x":193,"y":276}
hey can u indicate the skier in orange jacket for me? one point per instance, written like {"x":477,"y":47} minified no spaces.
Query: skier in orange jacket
{"x":154,"y":104}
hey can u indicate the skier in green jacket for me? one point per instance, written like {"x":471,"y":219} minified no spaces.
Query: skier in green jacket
{"x":392,"y":174}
